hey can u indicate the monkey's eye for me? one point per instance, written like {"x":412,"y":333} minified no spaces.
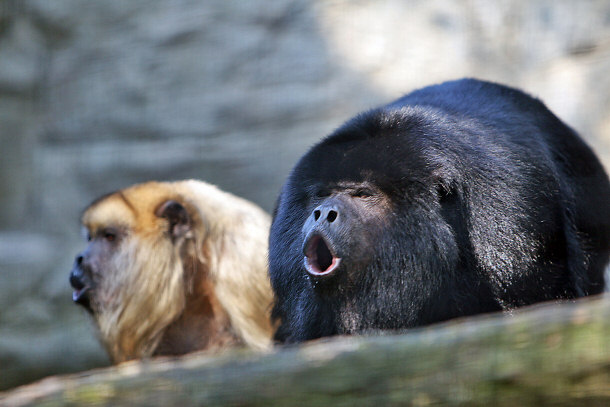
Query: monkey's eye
{"x":109,"y":235}
{"x":363,"y":193}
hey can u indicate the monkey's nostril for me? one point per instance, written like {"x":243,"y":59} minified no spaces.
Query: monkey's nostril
{"x":79,"y":260}
{"x":332,"y":215}
{"x":316,"y":214}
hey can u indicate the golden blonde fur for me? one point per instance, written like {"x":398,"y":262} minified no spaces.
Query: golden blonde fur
{"x":148,"y":284}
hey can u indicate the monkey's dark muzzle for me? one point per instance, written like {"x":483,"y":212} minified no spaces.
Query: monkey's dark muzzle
{"x":81,"y":283}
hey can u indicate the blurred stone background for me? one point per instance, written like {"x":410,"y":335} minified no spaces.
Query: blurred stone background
{"x":95,"y":96}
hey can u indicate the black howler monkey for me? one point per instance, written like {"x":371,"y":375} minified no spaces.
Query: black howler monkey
{"x":457,"y":199}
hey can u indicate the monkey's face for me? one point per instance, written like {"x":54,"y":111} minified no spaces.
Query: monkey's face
{"x":130,"y":276}
{"x":345,"y":223}
{"x":89,"y":265}
{"x":131,"y":235}
{"x":108,"y":226}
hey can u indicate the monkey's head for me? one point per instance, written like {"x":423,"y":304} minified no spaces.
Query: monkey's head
{"x":360,"y":238}
{"x":171,"y":268}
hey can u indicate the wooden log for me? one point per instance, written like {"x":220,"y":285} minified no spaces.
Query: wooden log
{"x":546,"y":355}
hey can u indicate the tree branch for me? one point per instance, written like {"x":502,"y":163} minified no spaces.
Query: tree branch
{"x":546,"y":355}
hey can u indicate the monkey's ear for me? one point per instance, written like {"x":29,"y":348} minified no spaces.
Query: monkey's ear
{"x":177,"y":216}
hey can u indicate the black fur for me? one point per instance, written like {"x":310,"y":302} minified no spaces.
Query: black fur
{"x":485,"y":201}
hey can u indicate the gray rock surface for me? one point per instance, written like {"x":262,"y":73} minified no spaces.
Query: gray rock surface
{"x":95,"y":96}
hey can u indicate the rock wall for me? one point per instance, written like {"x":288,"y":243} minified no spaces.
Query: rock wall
{"x":95,"y":96}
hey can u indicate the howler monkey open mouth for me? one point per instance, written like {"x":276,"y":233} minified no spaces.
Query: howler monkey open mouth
{"x":319,"y":257}
{"x":80,"y":295}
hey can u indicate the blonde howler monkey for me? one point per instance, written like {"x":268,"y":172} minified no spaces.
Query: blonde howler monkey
{"x":174,"y":267}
